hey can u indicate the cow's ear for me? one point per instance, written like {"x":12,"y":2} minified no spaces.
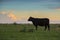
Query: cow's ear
{"x":30,"y":16}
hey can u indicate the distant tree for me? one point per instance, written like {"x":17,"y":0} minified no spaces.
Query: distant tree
{"x":58,"y":25}
{"x":14,"y":23}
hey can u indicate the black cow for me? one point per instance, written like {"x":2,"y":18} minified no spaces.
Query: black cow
{"x":40,"y":22}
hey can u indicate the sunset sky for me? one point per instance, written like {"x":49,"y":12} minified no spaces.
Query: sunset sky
{"x":21,"y":10}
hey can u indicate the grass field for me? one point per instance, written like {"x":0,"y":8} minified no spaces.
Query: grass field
{"x":28,"y":32}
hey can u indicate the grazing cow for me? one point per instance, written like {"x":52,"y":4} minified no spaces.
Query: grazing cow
{"x":40,"y":22}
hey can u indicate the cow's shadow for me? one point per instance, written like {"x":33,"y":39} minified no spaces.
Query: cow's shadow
{"x":30,"y":30}
{"x":26,"y":30}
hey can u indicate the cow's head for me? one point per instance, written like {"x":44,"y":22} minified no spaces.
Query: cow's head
{"x":30,"y":18}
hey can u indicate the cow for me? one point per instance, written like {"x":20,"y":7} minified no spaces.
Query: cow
{"x":40,"y":22}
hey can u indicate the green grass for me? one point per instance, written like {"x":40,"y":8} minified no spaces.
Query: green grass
{"x":14,"y":32}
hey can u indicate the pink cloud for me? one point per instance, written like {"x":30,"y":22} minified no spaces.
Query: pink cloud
{"x":57,"y":8}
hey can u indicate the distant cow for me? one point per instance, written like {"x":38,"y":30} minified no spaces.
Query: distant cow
{"x":40,"y":22}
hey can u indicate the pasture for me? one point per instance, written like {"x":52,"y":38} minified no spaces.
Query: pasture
{"x":28,"y":32}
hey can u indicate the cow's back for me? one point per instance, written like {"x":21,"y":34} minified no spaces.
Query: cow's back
{"x":41,"y":21}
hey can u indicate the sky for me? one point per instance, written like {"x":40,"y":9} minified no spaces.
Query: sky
{"x":20,"y":10}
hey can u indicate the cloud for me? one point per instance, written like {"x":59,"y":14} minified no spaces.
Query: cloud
{"x":4,"y":18}
{"x":12,"y":16}
{"x":7,"y":16}
{"x":3,"y":12}
{"x":57,"y":8}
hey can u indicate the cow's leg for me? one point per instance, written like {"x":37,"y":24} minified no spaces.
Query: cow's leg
{"x":36,"y":27}
{"x":45,"y":27}
{"x":48,"y":27}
